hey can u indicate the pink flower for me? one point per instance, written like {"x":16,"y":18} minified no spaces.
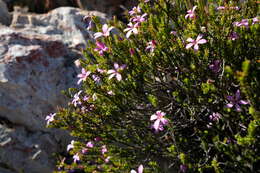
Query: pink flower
{"x":116,"y":71}
{"x":86,"y":98}
{"x":151,"y":46}
{"x":173,"y":33}
{"x":233,"y":36}
{"x":71,"y":145}
{"x":215,"y":66}
{"x":135,"y":10}
{"x":183,"y":168}
{"x":255,"y":20}
{"x":111,"y":93}
{"x":101,"y":48}
{"x":159,"y":120}
{"x":221,"y":8}
{"x":84,"y":151}
{"x":90,"y":144}
{"x":139,"y":19}
{"x":107,"y":159}
{"x":132,"y":51}
{"x":105,"y":31}
{"x":132,"y":28}
{"x":83,"y":76}
{"x":215,"y":116}
{"x":226,"y":8}
{"x":76,"y":99}
{"x":76,"y":158}
{"x":139,"y":170}
{"x":96,"y":78}
{"x":191,"y":13}
{"x":243,"y":22}
{"x":103,"y":149}
{"x":236,"y":101}
{"x":101,"y":70}
{"x":50,"y":118}
{"x":196,"y":42}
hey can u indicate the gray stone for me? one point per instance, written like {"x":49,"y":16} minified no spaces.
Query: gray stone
{"x":24,"y":151}
{"x":37,"y":55}
{"x":5,"y":17}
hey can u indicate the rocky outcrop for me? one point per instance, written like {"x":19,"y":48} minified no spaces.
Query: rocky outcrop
{"x":37,"y":57}
{"x":5,"y":17}
{"x":110,"y":7}
{"x":25,"y":151}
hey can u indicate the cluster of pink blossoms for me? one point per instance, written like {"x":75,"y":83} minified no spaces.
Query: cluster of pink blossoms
{"x":159,"y":120}
{"x":50,"y":118}
{"x":83,"y":75}
{"x":84,"y":150}
{"x":101,"y":47}
{"x":191,"y":13}
{"x":195,"y":43}
{"x":116,"y":71}
{"x":199,"y":40}
{"x":135,"y":21}
{"x":105,"y":32}
{"x":245,"y":22}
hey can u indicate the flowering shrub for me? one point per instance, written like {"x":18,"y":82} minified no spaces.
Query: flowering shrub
{"x":175,"y":90}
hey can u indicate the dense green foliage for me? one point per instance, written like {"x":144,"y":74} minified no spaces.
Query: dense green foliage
{"x":211,"y":127}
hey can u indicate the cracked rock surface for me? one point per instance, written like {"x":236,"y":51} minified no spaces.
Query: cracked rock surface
{"x":37,"y":54}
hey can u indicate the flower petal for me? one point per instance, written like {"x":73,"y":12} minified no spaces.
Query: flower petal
{"x":189,"y":45}
{"x":164,"y":121}
{"x":199,"y":37}
{"x":194,"y":8}
{"x":153,"y":117}
{"x":243,"y":102}
{"x":238,"y":109}
{"x":116,"y":66}
{"x":128,"y":34}
{"x":96,"y":49}
{"x":104,"y":28}
{"x":237,"y":95}
{"x":97,"y":35}
{"x":190,"y":40}
{"x":230,"y":105}
{"x":110,"y":71}
{"x":118,"y":77}
{"x":156,"y":124}
{"x":135,"y":31}
{"x":111,"y":76}
{"x":202,"y":41}
{"x":196,"y":47}
{"x":79,"y":81}
{"x":140,"y":169}
{"x":110,"y":28}
{"x":230,"y":98}
{"x":127,"y":29}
